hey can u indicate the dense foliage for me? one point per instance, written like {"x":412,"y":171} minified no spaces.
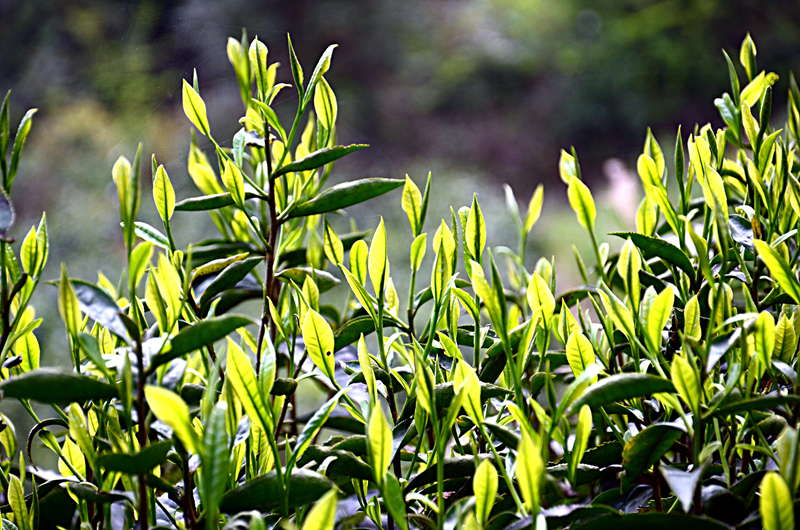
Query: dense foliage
{"x":663,"y":392}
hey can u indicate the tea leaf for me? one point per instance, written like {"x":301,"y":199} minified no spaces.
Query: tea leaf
{"x":195,"y":109}
{"x":344,"y":195}
{"x":171,"y":409}
{"x":243,"y":379}
{"x":379,"y":435}
{"x":686,"y":381}
{"x":48,"y":385}
{"x":203,"y":333}
{"x":484,"y":486}
{"x":318,"y":159}
{"x":644,"y":449}
{"x":661,"y":248}
{"x":776,"y":504}
{"x":264,"y":493}
{"x":378,"y":260}
{"x":618,"y":387}
{"x":322,"y":515}
{"x":138,"y":463}
{"x":779,"y":269}
{"x":163,"y":194}
{"x":319,"y":341}
{"x":582,"y":433}
{"x":580,"y":198}
{"x":476,"y":230}
{"x":580,"y":353}
{"x":534,"y":208}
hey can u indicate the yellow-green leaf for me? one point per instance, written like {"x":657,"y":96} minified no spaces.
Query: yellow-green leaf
{"x":785,"y":340}
{"x":658,"y":315}
{"x":628,"y":267}
{"x":171,"y":409}
{"x":318,"y":337}
{"x":322,"y":516}
{"x":358,"y":261}
{"x":582,"y":432}
{"x":163,"y":194}
{"x":687,"y":382}
{"x":484,"y":486}
{"x":541,"y":300}
{"x":366,"y":369}
{"x":195,"y":108}
{"x":378,"y":260}
{"x":379,"y":435}
{"x":476,"y":230}
{"x":325,"y":104}
{"x":68,"y":304}
{"x":580,"y":198}
{"x":779,"y":269}
{"x":418,"y":248}
{"x":242,"y":377}
{"x":765,"y":336}
{"x":579,"y":354}
{"x":776,"y":503}
{"x":691,"y":315}
{"x":567,"y":167}
{"x":234,"y":182}
{"x":534,"y":208}
{"x":530,"y":471}
{"x":412,"y":204}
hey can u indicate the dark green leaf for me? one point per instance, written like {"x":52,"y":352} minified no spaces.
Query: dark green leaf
{"x":325,"y":280}
{"x":346,"y":194}
{"x":393,"y":497}
{"x":682,"y":483}
{"x":215,"y":460}
{"x":264,"y":493}
{"x":346,"y":464}
{"x":210,"y":202}
{"x":48,"y":385}
{"x":741,"y":231}
{"x":19,"y":141}
{"x":621,"y":386}
{"x":644,"y":449}
{"x":351,"y":330}
{"x":650,"y":521}
{"x":100,"y":307}
{"x":318,"y":159}
{"x":196,"y":336}
{"x":761,"y":403}
{"x":228,"y":278}
{"x":6,"y":213}
{"x":661,"y":248}
{"x":138,"y":463}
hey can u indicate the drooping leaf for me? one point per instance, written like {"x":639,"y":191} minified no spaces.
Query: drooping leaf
{"x":100,"y":307}
{"x":228,"y":278}
{"x":682,"y":483}
{"x":138,"y":463}
{"x":660,"y":248}
{"x":49,"y":385}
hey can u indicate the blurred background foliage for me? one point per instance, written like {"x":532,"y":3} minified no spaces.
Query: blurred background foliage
{"x":480,"y":92}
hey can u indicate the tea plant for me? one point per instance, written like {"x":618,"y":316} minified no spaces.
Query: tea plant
{"x":663,"y":392}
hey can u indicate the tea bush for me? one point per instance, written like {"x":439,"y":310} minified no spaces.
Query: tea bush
{"x":663,"y":392}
